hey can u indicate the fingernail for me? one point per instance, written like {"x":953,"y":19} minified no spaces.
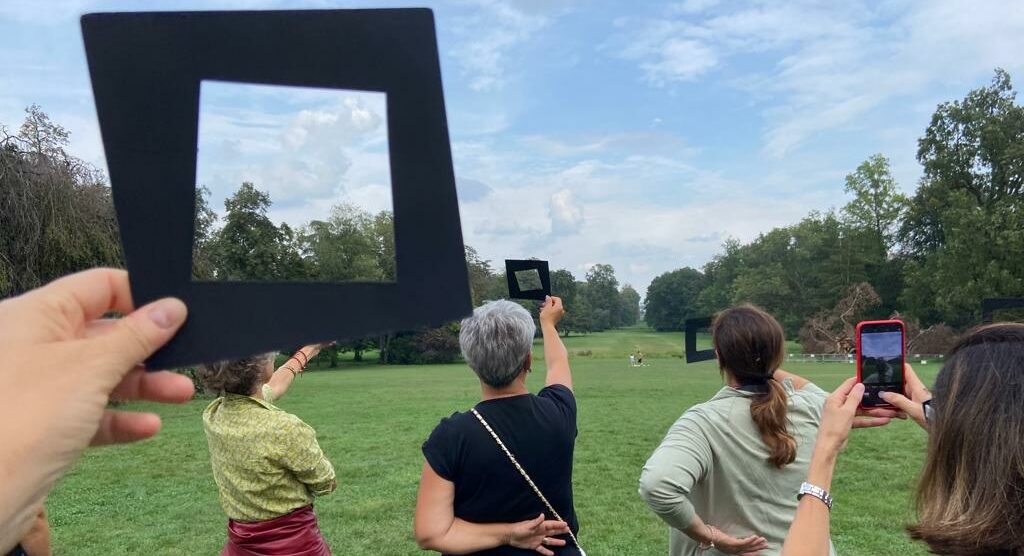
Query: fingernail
{"x":167,"y":313}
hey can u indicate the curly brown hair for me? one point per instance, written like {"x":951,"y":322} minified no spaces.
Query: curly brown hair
{"x":238,"y":376}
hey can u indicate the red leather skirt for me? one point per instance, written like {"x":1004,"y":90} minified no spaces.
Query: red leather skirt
{"x":293,"y":534}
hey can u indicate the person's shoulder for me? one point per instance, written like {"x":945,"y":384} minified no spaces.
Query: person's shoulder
{"x":556,"y":391}
{"x":458,"y":420}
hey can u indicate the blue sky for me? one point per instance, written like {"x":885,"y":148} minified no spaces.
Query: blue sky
{"x":640,"y":134}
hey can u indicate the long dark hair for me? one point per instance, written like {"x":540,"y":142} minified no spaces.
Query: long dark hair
{"x":970,"y":498}
{"x":750,"y":345}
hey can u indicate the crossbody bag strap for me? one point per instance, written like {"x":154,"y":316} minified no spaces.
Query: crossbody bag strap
{"x":529,"y":481}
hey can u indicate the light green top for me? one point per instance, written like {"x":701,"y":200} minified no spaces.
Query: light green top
{"x":713,"y":462}
{"x":266,"y":462}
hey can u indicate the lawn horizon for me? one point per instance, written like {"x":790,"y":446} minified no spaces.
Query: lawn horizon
{"x":158,"y":496}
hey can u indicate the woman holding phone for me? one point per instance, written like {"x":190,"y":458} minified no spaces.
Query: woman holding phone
{"x":970,"y":496}
{"x":726,"y":474}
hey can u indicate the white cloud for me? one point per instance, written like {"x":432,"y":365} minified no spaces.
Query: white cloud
{"x":680,"y":60}
{"x":308,"y":148}
{"x":566,"y":214}
{"x":835,"y":63}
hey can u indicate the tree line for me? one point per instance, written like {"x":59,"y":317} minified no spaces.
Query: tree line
{"x":58,"y":217}
{"x":930,"y":258}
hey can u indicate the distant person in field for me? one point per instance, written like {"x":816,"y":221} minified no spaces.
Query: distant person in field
{"x":632,"y":360}
{"x":970,"y":495}
{"x":728,"y":471}
{"x":472,"y":498}
{"x":267,"y":463}
{"x":640,"y":358}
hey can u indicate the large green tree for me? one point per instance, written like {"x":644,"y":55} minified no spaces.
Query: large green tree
{"x":672,"y":298}
{"x":629,"y":306}
{"x":962,"y":233}
{"x":250,"y":246}
{"x":601,"y":296}
{"x":56,"y":213}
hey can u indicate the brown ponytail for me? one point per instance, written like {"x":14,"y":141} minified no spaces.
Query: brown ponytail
{"x":769,"y":414}
{"x":750,"y":346}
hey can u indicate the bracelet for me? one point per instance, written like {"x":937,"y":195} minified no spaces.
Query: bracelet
{"x":711,"y":543}
{"x":304,"y":357}
{"x":817,"y":492}
{"x":289,"y":369}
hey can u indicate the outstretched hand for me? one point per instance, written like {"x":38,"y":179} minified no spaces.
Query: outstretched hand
{"x":552,"y":311}
{"x":916,"y":394}
{"x":63,"y":363}
{"x":537,"y":534}
{"x":842,"y":412}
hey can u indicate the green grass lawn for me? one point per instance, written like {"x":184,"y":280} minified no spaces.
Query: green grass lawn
{"x":158,"y":496}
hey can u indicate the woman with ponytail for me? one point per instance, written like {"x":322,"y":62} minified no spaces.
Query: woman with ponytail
{"x":726,"y":475}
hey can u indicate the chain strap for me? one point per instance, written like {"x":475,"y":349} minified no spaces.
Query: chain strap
{"x":527,"y":477}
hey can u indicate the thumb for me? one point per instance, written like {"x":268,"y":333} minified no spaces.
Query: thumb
{"x":899,"y":400}
{"x":135,"y":337}
{"x":854,"y":398}
{"x":537,"y":521}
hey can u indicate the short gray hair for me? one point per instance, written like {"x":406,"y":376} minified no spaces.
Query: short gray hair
{"x":496,"y":341}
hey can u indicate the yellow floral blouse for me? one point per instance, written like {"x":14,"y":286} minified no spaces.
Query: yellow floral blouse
{"x":266,"y":462}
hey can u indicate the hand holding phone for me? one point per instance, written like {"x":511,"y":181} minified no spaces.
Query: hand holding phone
{"x":881,"y":355}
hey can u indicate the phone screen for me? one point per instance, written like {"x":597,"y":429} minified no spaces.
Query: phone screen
{"x":881,"y":361}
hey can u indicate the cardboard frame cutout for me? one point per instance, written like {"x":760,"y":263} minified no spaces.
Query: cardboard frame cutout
{"x":515,"y":292}
{"x":990,"y":306}
{"x":694,"y":355}
{"x":146,"y":70}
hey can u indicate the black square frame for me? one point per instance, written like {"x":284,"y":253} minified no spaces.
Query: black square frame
{"x":512,"y":266}
{"x":146,"y":70}
{"x":991,"y":305}
{"x":694,"y":355}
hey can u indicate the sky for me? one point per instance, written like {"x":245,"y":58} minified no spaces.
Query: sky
{"x":637,"y":134}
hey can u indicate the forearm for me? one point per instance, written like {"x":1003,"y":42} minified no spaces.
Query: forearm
{"x":282,"y":379}
{"x":285,"y":374}
{"x":463,"y":537}
{"x":809,"y":533}
{"x":556,"y":357}
{"x":699,"y":531}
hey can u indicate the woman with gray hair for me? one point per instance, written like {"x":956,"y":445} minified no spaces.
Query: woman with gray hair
{"x":495,"y":474}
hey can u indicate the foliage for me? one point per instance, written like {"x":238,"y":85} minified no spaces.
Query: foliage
{"x":672,"y":298}
{"x":56,"y":213}
{"x":250,"y":246}
{"x":629,"y":306}
{"x":429,"y":346}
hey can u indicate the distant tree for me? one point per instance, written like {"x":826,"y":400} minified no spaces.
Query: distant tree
{"x":601,"y":296}
{"x":672,"y":298}
{"x":346,"y":247}
{"x":877,"y":205}
{"x":629,"y":306}
{"x":564,"y":285}
{"x":56,"y":213}
{"x":962,"y":230}
{"x":203,"y":265}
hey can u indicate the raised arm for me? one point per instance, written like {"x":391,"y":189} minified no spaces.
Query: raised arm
{"x":556,"y":357}
{"x":285,"y":374}
{"x":438,"y":529}
{"x":809,"y":533}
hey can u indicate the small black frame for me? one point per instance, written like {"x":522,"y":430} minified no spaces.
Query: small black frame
{"x":693,"y":355}
{"x":146,"y":70}
{"x":513,"y":266}
{"x":991,"y":305}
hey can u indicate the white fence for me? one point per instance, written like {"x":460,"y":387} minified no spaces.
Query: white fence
{"x":912,"y":358}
